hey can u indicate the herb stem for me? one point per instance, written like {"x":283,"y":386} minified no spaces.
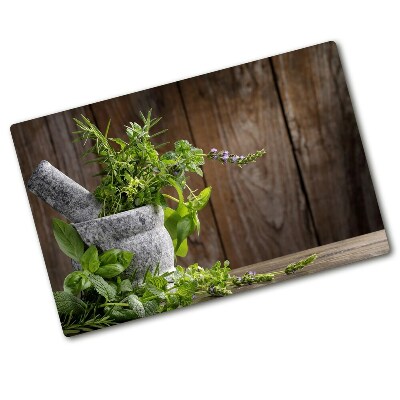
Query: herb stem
{"x":115,"y":304}
{"x":170,"y":197}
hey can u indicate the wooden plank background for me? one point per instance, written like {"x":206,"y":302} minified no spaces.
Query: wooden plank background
{"x":312,"y":188}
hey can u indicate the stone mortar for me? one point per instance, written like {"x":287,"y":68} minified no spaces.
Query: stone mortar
{"x":140,"y":231}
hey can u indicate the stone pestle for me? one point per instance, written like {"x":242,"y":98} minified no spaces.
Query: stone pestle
{"x":62,"y":193}
{"x":140,"y":230}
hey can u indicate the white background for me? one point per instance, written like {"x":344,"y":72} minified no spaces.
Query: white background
{"x":331,"y":336}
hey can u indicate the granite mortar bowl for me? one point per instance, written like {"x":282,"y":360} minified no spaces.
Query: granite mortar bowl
{"x":140,"y":231}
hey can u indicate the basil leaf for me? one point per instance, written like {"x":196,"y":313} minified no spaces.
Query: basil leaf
{"x":90,"y":259}
{"x":183,"y":230}
{"x":75,"y":282}
{"x":116,"y":256}
{"x":171,"y":219}
{"x":202,"y":199}
{"x":68,"y":239}
{"x":125,"y":258}
{"x":109,"y":257}
{"x":110,"y":270}
{"x":183,"y":248}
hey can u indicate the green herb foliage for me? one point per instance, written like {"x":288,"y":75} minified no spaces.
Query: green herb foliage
{"x":101,"y":295}
{"x":135,"y":174}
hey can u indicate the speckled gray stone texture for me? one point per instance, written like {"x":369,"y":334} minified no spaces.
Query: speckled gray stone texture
{"x":63,"y":194}
{"x":140,"y":230}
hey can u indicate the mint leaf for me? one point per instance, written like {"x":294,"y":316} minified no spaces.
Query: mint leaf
{"x":155,"y":291}
{"x":102,"y":287}
{"x":119,"y":314}
{"x":158,"y":281}
{"x":68,"y":239}
{"x":151,"y":307}
{"x":136,"y":305}
{"x":90,"y":259}
{"x":126,"y":286}
{"x":67,"y":303}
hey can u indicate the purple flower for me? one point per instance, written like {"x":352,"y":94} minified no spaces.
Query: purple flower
{"x":234,"y":159}
{"x":224,"y":158}
{"x":213,"y":150}
{"x":225,"y":153}
{"x":251,"y":273}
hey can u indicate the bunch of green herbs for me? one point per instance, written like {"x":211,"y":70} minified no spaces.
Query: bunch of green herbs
{"x":101,"y":294}
{"x":135,"y":174}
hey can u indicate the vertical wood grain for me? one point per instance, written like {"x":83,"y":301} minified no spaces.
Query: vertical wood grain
{"x":48,"y":138}
{"x":165,"y":102}
{"x":313,"y":186}
{"x":327,"y":142}
{"x":261,"y":210}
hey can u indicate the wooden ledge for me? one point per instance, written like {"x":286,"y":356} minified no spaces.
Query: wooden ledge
{"x":329,"y":256}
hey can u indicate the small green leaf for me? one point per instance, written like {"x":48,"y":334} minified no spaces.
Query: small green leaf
{"x":109,"y":257}
{"x":68,"y":239}
{"x":126,"y":286}
{"x":182,"y":210}
{"x":119,"y":314}
{"x":67,"y":303}
{"x":125,"y":258}
{"x":158,"y":281}
{"x":155,"y":291}
{"x":151,"y":307}
{"x":136,"y":305}
{"x":119,"y":141}
{"x":183,"y":249}
{"x":186,"y":292}
{"x":110,"y":270}
{"x":199,"y":171}
{"x":102,"y":287}
{"x":184,"y":229}
{"x":202,"y":199}
{"x":116,"y":256}
{"x":178,"y":190}
{"x":75,"y":282}
{"x":90,"y":259}
{"x":171,"y":219}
